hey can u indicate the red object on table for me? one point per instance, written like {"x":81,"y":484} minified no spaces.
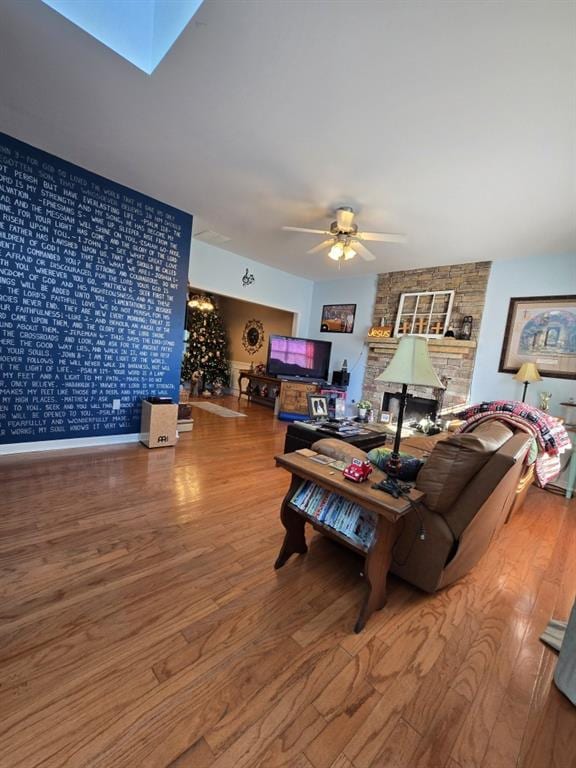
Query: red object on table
{"x":358,"y":471}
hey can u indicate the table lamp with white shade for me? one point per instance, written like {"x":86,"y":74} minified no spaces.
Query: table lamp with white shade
{"x":410,"y":366}
{"x":527,"y":373}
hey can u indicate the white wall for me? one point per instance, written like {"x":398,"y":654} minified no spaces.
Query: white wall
{"x":540,"y":276}
{"x":350,"y":346}
{"x":220,"y":271}
{"x":215,"y":269}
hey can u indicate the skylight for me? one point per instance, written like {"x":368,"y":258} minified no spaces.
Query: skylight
{"x":142,"y":31}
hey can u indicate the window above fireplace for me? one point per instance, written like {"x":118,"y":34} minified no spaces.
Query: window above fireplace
{"x":424,"y":314}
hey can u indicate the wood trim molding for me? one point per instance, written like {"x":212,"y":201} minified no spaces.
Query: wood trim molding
{"x":438,"y":346}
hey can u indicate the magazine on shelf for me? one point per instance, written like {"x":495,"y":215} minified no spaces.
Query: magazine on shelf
{"x":334,"y":511}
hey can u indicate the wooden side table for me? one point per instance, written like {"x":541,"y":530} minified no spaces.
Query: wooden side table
{"x":257,"y":383}
{"x":388,"y":510}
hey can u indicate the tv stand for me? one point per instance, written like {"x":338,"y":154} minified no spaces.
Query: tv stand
{"x":291,"y":394}
{"x":293,"y":403}
{"x":304,"y":380}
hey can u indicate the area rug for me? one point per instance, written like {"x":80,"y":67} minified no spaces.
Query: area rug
{"x":219,"y":410}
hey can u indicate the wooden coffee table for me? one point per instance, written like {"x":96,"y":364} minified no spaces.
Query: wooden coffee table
{"x":299,"y":435}
{"x":388,"y":510}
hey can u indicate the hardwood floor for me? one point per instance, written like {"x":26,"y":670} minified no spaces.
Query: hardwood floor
{"x":143,"y":624}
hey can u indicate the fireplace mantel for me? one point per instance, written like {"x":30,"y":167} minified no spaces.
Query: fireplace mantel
{"x":444,"y":346}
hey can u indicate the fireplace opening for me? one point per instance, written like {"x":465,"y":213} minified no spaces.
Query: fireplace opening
{"x":417,"y":408}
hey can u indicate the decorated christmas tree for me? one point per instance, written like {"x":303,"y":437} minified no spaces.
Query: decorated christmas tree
{"x":206,"y":357}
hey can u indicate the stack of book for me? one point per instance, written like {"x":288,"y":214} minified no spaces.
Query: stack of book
{"x":336,"y":512}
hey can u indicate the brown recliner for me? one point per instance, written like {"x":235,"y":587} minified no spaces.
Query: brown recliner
{"x":470,"y":481}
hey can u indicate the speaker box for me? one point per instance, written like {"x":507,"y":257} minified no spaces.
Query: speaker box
{"x":340,"y":378}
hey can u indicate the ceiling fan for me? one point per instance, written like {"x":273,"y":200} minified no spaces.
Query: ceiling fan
{"x":344,"y":239}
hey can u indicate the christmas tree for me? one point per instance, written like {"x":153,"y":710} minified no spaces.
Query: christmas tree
{"x":207,"y":354}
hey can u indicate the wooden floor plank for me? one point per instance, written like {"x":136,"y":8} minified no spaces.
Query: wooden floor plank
{"x":242,"y":736}
{"x":341,"y":762}
{"x":143,"y":625}
{"x":63,"y":719}
{"x":398,"y":752}
{"x":358,"y":707}
{"x":287,"y":749}
{"x":199,"y":755}
{"x":505,"y":738}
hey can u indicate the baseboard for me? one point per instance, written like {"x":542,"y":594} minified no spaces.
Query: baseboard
{"x":76,"y":442}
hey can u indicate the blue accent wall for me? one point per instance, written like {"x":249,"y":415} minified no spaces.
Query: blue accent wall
{"x":93,"y":279}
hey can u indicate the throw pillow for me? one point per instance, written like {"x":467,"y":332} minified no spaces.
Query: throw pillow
{"x":409,"y":465}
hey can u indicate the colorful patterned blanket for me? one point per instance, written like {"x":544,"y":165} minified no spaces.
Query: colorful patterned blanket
{"x":550,"y":435}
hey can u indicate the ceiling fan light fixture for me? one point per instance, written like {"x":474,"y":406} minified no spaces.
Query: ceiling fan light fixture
{"x":344,"y":240}
{"x":336,"y":252}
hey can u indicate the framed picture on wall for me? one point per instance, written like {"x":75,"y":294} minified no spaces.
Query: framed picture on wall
{"x":541,"y":330}
{"x":338,"y":318}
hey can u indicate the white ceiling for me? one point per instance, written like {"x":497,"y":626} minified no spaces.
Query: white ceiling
{"x":453,"y":122}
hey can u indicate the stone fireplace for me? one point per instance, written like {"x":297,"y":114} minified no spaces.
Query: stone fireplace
{"x":417,"y":408}
{"x":452,"y":358}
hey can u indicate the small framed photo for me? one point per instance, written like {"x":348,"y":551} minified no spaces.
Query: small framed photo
{"x":385,"y":417}
{"x":338,"y":318}
{"x":318,"y":406}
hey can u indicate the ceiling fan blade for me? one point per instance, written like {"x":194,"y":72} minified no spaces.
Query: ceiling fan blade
{"x":381,"y":237}
{"x":362,"y":251}
{"x":304,"y":229}
{"x":321,"y":246}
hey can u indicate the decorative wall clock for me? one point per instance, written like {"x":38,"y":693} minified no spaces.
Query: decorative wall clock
{"x":253,"y":336}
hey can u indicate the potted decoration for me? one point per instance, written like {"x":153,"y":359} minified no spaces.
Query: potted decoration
{"x":364,"y":407}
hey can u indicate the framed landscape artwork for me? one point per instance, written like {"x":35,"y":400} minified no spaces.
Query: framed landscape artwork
{"x":541,"y":330}
{"x":338,"y":318}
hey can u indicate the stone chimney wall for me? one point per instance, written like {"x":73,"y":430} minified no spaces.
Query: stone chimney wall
{"x":452,"y":359}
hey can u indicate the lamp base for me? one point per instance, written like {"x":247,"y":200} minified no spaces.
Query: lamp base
{"x":392,"y":486}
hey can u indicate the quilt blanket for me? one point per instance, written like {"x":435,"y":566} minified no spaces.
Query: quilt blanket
{"x":550,"y":435}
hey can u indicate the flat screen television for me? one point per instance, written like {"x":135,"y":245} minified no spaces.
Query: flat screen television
{"x":302,"y":358}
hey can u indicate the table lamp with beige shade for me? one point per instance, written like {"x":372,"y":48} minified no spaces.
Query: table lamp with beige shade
{"x":527,"y":373}
{"x":410,"y":366}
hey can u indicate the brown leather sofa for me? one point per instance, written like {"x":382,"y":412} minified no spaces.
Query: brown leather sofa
{"x":470,"y":481}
